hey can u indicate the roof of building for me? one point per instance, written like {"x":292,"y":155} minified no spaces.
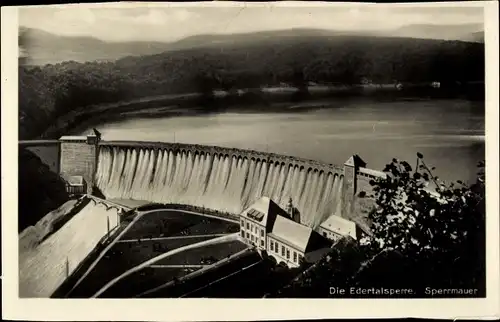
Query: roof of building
{"x":75,"y":180}
{"x":374,"y":173}
{"x":340,"y":226}
{"x":258,"y":211}
{"x":73,"y":138}
{"x":291,"y":233}
{"x":355,"y":161}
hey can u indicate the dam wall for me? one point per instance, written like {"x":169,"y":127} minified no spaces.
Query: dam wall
{"x":219,"y":178}
{"x":228,"y":152}
{"x":225,"y":179}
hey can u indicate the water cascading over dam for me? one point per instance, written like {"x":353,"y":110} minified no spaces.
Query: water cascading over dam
{"x":223,"y":182}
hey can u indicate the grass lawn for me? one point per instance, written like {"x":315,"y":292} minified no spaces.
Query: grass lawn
{"x":151,"y":277}
{"x":200,"y":281}
{"x":164,"y":223}
{"x":144,"y":280}
{"x":205,"y":255}
{"x":253,"y":282}
{"x":123,"y":256}
{"x":209,"y":226}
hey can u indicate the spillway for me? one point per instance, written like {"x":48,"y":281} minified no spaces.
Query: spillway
{"x":220,"y":182}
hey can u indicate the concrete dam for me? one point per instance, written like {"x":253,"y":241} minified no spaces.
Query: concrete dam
{"x":222,"y":179}
{"x":218,"y":178}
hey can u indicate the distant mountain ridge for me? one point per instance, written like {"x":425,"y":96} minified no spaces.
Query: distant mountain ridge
{"x":42,"y":47}
{"x":45,"y":48}
{"x":463,"y":32}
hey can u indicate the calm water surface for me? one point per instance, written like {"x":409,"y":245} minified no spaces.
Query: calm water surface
{"x":450,"y":134}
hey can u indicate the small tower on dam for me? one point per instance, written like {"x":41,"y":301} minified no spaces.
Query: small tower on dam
{"x":79,"y":157}
{"x":351,"y":167}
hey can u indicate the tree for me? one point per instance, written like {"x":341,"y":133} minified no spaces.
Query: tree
{"x":333,"y":270}
{"x":292,"y":211}
{"x":442,"y":233}
{"x":289,"y":207}
{"x":420,"y":238}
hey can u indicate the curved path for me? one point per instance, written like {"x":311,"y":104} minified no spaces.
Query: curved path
{"x":218,"y":240}
{"x":135,"y":220}
{"x":196,"y":273}
{"x":168,"y":238}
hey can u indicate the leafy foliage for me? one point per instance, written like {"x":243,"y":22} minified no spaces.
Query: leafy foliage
{"x":419,"y":238}
{"x":442,"y":231}
{"x":335,"y":269}
{"x":414,"y":220}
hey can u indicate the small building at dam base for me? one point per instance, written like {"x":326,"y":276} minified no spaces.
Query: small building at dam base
{"x":271,"y":229}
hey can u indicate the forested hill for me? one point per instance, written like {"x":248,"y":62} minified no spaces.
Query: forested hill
{"x":45,"y":48}
{"x":52,"y":90}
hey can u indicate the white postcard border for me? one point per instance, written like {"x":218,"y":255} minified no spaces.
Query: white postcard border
{"x":231,"y":309}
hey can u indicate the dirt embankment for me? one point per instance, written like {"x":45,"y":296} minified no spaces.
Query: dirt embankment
{"x":32,"y":236}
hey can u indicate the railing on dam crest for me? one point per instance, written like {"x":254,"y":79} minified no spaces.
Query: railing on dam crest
{"x":309,"y":165}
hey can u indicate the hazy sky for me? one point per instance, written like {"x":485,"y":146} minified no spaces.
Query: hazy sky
{"x":116,"y":22}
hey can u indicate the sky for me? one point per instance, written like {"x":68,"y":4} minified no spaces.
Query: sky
{"x":119,"y":22}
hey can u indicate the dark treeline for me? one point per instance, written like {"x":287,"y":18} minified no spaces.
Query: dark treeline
{"x":54,"y":90}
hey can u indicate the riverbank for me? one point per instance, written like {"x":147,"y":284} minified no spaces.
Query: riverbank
{"x":260,"y":100}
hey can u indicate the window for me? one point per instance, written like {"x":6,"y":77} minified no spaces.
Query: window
{"x":271,"y":246}
{"x":248,"y":226}
{"x":287,"y":254}
{"x":295,"y":257}
{"x":324,"y":233}
{"x":282,"y":250}
{"x":242,"y":223}
{"x":242,"y":233}
{"x":262,"y":233}
{"x":261,"y":242}
{"x":248,"y":235}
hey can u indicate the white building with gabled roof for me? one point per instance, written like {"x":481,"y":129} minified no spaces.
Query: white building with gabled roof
{"x":269,"y":228}
{"x":257,"y":221}
{"x":336,"y":227}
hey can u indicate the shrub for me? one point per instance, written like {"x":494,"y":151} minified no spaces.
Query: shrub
{"x":439,"y":236}
{"x":420,"y":238}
